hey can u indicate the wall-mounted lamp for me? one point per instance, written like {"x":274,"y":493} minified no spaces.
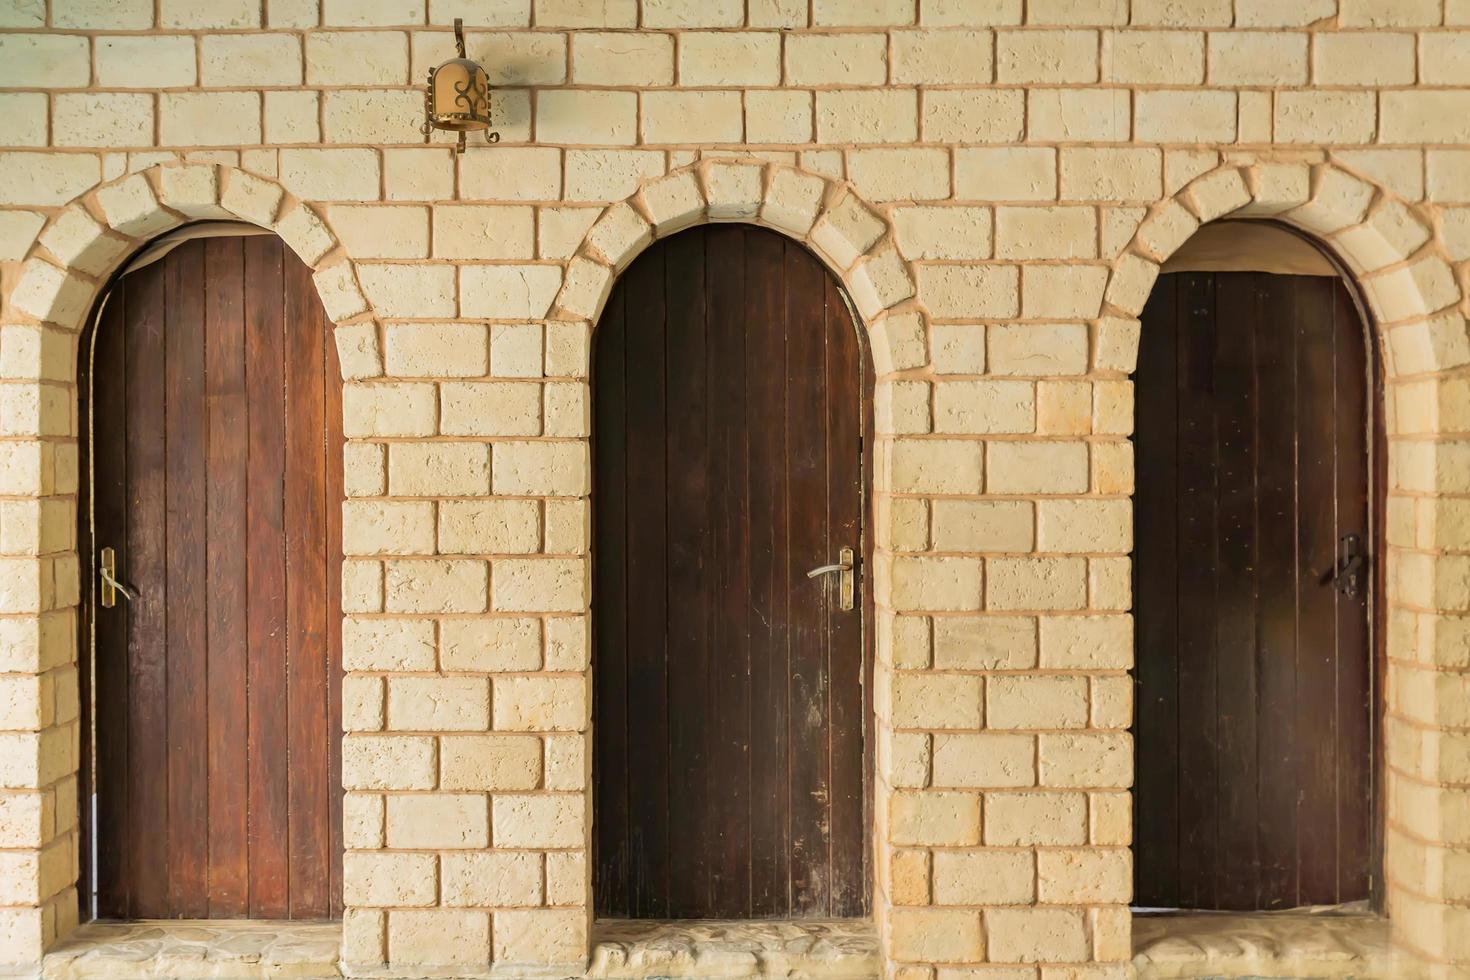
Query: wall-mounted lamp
{"x":458,"y":96}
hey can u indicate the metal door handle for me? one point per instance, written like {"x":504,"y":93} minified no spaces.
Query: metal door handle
{"x":111,"y":587}
{"x":1350,"y":560}
{"x":845,"y":584}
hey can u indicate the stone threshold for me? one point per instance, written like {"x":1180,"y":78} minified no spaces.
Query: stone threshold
{"x":212,"y":949}
{"x":1314,"y":943}
{"x":821,"y":949}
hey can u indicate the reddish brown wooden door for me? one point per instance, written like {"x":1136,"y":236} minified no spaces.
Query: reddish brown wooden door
{"x":218,"y":459}
{"x":1255,"y":719}
{"x":730,"y":696}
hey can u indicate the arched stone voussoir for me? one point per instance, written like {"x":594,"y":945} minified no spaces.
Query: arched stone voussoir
{"x":88,"y":240}
{"x":853,"y":239}
{"x":1384,"y":241}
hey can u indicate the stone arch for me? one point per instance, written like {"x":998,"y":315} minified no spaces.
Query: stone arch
{"x":854,"y":240}
{"x":1416,"y":312}
{"x":1390,"y":246}
{"x":88,"y":240}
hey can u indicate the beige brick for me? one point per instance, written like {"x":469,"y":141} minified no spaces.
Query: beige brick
{"x":209,"y":118}
{"x":549,"y":468}
{"x":1257,"y":58}
{"x":692,"y":117}
{"x":127,"y":15}
{"x":488,"y":527}
{"x":100,"y":119}
{"x":1185,"y":117}
{"x":937,"y":466}
{"x":1009,"y":174}
{"x":983,"y":525}
{"x":1036,"y":583}
{"x":490,"y":762}
{"x":1046,"y":56}
{"x":968,"y":292}
{"x":973,"y":115}
{"x":1373,"y":58}
{"x":555,"y":820}
{"x":330,"y":174}
{"x":984,"y":760}
{"x":1045,"y":233}
{"x":1036,"y":935}
{"x":417,"y":174}
{"x":1121,"y":174}
{"x":1424,"y":116}
{"x":491,"y":644}
{"x":388,"y":410}
{"x":1153,"y":57}
{"x":1084,"y":525}
{"x":1091,"y":115}
{"x":925,"y":700}
{"x":693,"y":13}
{"x":582,"y":13}
{"x":836,"y":59}
{"x":508,"y":291}
{"x":930,"y":57}
{"x":1389,"y":13}
{"x":945,"y":583}
{"x":984,"y":878}
{"x":1093,"y":875}
{"x":544,"y":704}
{"x":1037,"y":467}
{"x":357,"y":58}
{"x":539,"y":585}
{"x":900,"y":174}
{"x":439,"y":937}
{"x":493,"y":879}
{"x":441,"y":821}
{"x":624,"y":58}
{"x":387,"y":644}
{"x":490,"y":408}
{"x":1036,"y":702}
{"x":858,"y":116}
{"x":985,"y":407}
{"x":388,"y":762}
{"x":292,"y":117}
{"x":435,"y":586}
{"x":1016,"y":819}
{"x":583,"y":117}
{"x":778,"y":117}
{"x":26,"y":115}
{"x":1038,"y":349}
{"x":388,"y":879}
{"x":386,"y":231}
{"x":943,"y":232}
{"x":246,"y":60}
{"x":729,"y":58}
{"x":984,"y":643}
{"x":1324,"y":117}
{"x":943,"y":935}
{"x":44,"y":61}
{"x":609,"y":175}
{"x":934,"y":818}
{"x":1091,"y":760}
{"x":387,"y":527}
{"x":540,"y":936}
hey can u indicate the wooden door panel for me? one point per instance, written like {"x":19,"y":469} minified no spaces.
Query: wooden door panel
{"x":217,"y":771}
{"x":1255,"y":713}
{"x":730,"y":702}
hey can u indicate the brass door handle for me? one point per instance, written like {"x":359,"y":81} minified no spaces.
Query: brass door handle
{"x":111,"y":587}
{"x":845,"y":584}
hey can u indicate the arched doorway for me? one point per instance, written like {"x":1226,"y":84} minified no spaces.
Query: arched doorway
{"x":731,"y":701}
{"x":212,"y":486}
{"x":1254,"y":579}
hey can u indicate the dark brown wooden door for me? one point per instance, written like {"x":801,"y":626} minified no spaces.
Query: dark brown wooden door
{"x":1255,"y":706}
{"x":218,"y":474}
{"x":730,"y":693}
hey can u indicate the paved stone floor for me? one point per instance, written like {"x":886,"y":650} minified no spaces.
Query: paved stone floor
{"x":153,"y":950}
{"x":842,"y":949}
{"x":1296,"y":944}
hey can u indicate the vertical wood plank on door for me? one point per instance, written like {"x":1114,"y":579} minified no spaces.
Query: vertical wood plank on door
{"x":188,"y":609}
{"x":306,"y":558}
{"x":265,"y":313}
{"x":331,"y":614}
{"x":226,"y":580}
{"x":109,"y":502}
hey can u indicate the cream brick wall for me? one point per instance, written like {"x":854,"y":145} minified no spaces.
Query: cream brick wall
{"x":995,"y":183}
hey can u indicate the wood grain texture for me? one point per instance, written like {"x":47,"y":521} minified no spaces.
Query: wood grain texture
{"x":730,"y":706}
{"x":1255,"y":699}
{"x":217,"y":474}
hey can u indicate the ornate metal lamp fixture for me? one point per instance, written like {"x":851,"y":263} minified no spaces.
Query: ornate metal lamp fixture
{"x":458,"y":96}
